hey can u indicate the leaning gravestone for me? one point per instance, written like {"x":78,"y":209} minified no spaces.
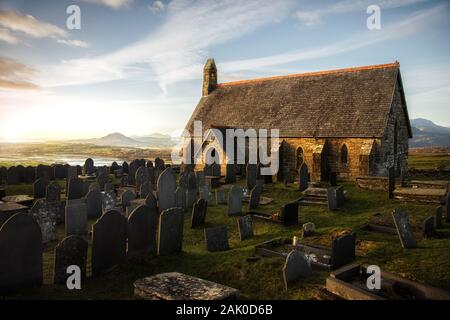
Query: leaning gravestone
{"x":70,"y":251}
{"x":142,"y":231}
{"x":251,"y":175}
{"x":53,"y":192}
{"x":404,"y":230}
{"x":289,"y":212}
{"x":343,"y":250}
{"x":20,"y":253}
{"x":109,"y":242}
{"x":46,"y":219}
{"x":76,"y":219}
{"x":180,"y":197}
{"x":245,"y":225}
{"x":235,"y":201}
{"x":216,"y":239}
{"x":39,"y":188}
{"x":126,"y":197}
{"x":75,"y":189}
{"x":220,"y":196}
{"x":94,"y":204}
{"x":296,"y":266}
{"x":303,"y":175}
{"x":438,"y":218}
{"x":199,"y":213}
{"x":255,"y":197}
{"x":167,"y":185}
{"x":170,"y":231}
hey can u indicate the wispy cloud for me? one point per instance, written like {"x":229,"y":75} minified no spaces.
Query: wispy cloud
{"x":74,"y":43}
{"x":7,"y":36}
{"x":115,"y":4}
{"x":15,"y":75}
{"x":314,"y":17}
{"x":157,"y":6}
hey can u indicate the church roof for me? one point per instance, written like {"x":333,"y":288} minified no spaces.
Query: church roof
{"x":352,"y":102}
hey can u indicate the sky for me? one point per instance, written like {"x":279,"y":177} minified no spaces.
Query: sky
{"x":135,"y":66}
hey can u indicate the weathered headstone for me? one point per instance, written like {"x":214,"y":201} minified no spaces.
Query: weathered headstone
{"x":404,"y":230}
{"x":94,"y":204}
{"x":46,"y":219}
{"x":245,"y":225}
{"x":53,"y":192}
{"x":167,"y":185}
{"x":43,"y":171}
{"x":251,"y":175}
{"x":220,"y":196}
{"x":126,"y":197}
{"x":109,"y":242}
{"x":72,"y":250}
{"x":340,"y":198}
{"x":88,"y":167}
{"x":255,"y":197}
{"x":39,"y":188}
{"x":428,"y":228}
{"x":180,"y":197}
{"x":308,"y":229}
{"x":125,"y":167}
{"x":191,"y":181}
{"x":76,"y":219}
{"x":170,"y":231}
{"x":303,"y":175}
{"x":235,"y":201}
{"x":230,"y":176}
{"x":142,"y":224}
{"x":151,"y":202}
{"x":289,"y":212}
{"x":216,"y":238}
{"x":199,"y":213}
{"x":59,"y":171}
{"x":296,"y":266}
{"x":20,"y":253}
{"x":141,"y":177}
{"x":145,"y":189}
{"x":102,"y":180}
{"x":159,"y":163}
{"x":108,"y":200}
{"x":205,"y":193}
{"x":134,"y":166}
{"x":75,"y":189}
{"x":343,"y":250}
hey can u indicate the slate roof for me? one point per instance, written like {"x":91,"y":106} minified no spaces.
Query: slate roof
{"x":353,"y":102}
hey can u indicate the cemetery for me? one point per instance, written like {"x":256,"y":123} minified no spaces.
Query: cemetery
{"x":152,"y":230}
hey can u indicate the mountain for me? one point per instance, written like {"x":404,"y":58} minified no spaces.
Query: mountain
{"x":116,"y":139}
{"x":428,"y":134}
{"x":161,"y":140}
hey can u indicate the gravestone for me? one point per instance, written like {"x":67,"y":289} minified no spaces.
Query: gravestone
{"x":220,"y":196}
{"x":75,"y":189}
{"x":308,"y":229}
{"x":199,"y":213}
{"x":151,"y":202}
{"x":331,"y":197}
{"x":4,"y":175}
{"x":126,"y":198}
{"x":339,"y":194}
{"x":145,"y":189}
{"x":134,"y":166}
{"x":428,"y":228}
{"x":125,"y":167}
{"x":76,"y":219}
{"x":183,"y":181}
{"x":191,"y":197}
{"x":296,"y":266}
{"x":141,"y":177}
{"x":303,"y":176}
{"x":255,"y":197}
{"x":151,"y":175}
{"x":142,"y":224}
{"x":333,"y":179}
{"x":53,"y":192}
{"x":42,"y":171}
{"x":201,"y":180}
{"x":180,"y":198}
{"x":29,"y":174}
{"x":230,"y":176}
{"x":114,"y":167}
{"x":438,"y":218}
{"x":166,"y":187}
{"x":88,"y":167}
{"x":159,"y":164}
{"x":102,"y":180}
{"x":20,"y":253}
{"x":192,"y":181}
{"x":235,"y":201}
{"x":216,"y":239}
{"x":124,"y":180}
{"x":21,"y":172}
{"x":343,"y":250}
{"x":39,"y":188}
{"x":109,"y":242}
{"x":170,"y":231}
{"x":404,"y":230}
{"x":289,"y":212}
{"x":245,"y":225}
{"x":13,"y":176}
{"x":72,"y":250}
{"x":108,"y":200}
{"x":391,"y":182}
{"x":109,"y":187}
{"x":205,"y":193}
{"x":251,"y":175}
{"x":46,"y":217}
{"x":94,"y":204}
{"x":59,"y":171}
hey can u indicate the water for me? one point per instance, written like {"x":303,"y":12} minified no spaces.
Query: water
{"x":71,"y":159}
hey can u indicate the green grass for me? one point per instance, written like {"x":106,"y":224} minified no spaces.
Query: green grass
{"x":263,"y":279}
{"x":429,"y":160}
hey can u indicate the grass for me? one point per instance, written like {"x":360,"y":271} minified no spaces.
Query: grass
{"x":429,"y":263}
{"x":429,"y":160}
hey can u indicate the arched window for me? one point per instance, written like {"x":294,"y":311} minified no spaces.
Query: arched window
{"x":299,"y":157}
{"x":344,"y":154}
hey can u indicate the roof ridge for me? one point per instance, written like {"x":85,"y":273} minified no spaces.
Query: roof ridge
{"x":395,"y":64}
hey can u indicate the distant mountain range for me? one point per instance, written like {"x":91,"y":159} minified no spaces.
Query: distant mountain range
{"x":428,"y":134}
{"x":154,"y":140}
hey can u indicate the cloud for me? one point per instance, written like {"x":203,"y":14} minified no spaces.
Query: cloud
{"x":7,"y":36}
{"x":15,"y":75}
{"x":314,"y":17}
{"x":74,"y":43}
{"x":115,"y":4}
{"x":157,"y":6}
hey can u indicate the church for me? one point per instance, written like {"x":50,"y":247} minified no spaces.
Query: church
{"x":352,"y":121}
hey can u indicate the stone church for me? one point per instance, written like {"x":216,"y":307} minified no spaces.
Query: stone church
{"x":350,"y":121}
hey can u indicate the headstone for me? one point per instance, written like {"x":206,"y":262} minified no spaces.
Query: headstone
{"x":151,"y":175}
{"x":201,"y":180}
{"x":170,"y":231}
{"x":245,"y":225}
{"x":159,"y":163}
{"x":255,"y":197}
{"x":145,"y":189}
{"x":199,"y":213}
{"x":42,"y":171}
{"x":192,"y":181}
{"x":88,"y":167}
{"x":109,"y":242}
{"x":108,"y":201}
{"x":126,"y":197}
{"x":331,"y":197}
{"x":39,"y":188}
{"x":94,"y":204}
{"x":220,"y":196}
{"x":295,"y":267}
{"x":151,"y":202}
{"x":404,"y":230}
{"x":125,"y":167}
{"x":391,"y":182}
{"x":142,"y":224}
{"x":308,"y":229}
{"x":59,"y":171}
{"x":339,"y":194}
{"x":46,"y":219}
{"x":235,"y":201}
{"x":191,"y":197}
{"x":180,"y":198}
{"x":428,"y":228}
{"x":29,"y":174}
{"x":230,"y":176}
{"x":13,"y":176}
{"x":343,"y":250}
{"x":205,"y":193}
{"x":167,"y":185}
{"x":134,"y":165}
{"x":438,"y":218}
{"x":141,"y":177}
{"x":102,"y":180}
{"x":289,"y":212}
{"x":4,"y":175}
{"x":216,"y":239}
{"x":20,"y":253}
{"x":75,"y":189}
{"x":303,"y":175}
{"x":124,"y":180}
{"x":76,"y":219}
{"x":70,"y":251}
{"x":251,"y":175}
{"x":53,"y":192}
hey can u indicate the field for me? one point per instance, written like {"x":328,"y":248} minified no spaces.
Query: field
{"x":429,"y":263}
{"x":438,"y":160}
